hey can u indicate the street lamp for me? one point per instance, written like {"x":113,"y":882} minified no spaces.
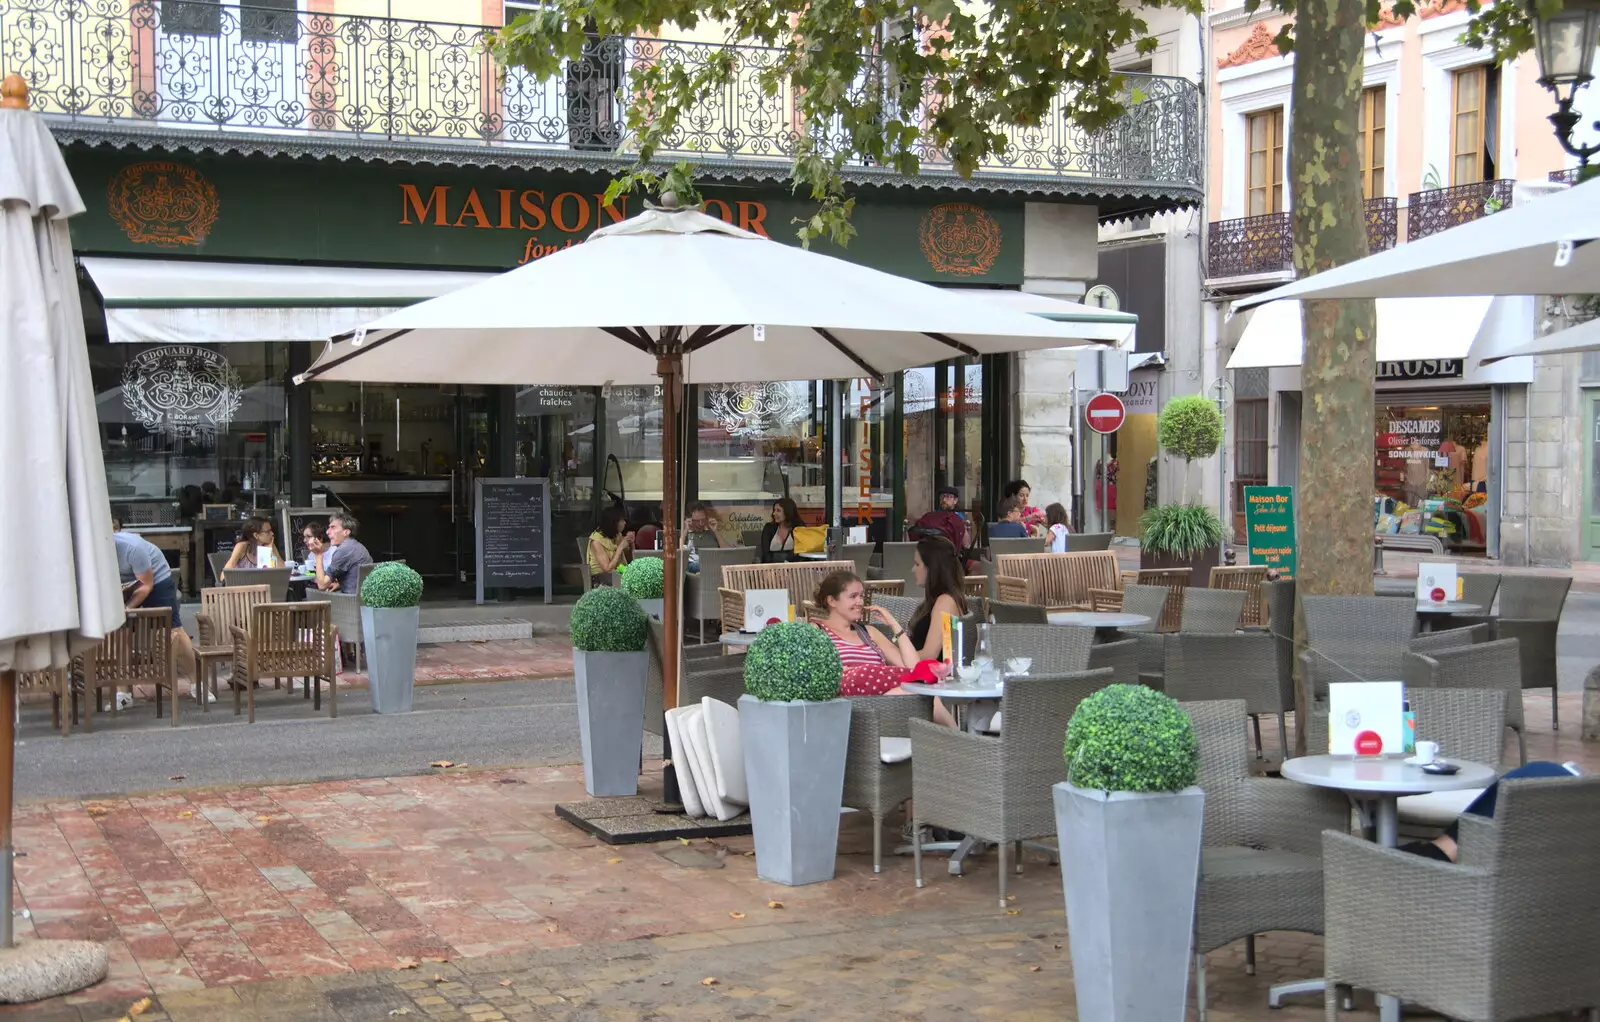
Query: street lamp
{"x":1565,"y":42}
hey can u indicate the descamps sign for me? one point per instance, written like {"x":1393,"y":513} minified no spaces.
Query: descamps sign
{"x":1423,"y":369}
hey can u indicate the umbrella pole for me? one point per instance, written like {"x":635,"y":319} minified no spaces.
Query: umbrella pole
{"x":670,"y":368}
{"x":8,"y":762}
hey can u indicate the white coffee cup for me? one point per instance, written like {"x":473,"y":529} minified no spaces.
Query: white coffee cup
{"x":1427,"y":752}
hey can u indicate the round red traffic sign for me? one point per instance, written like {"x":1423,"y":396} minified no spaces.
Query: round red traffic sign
{"x":1105,"y":413}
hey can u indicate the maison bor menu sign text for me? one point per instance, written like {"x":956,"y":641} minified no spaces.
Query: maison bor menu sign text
{"x":513,"y":517}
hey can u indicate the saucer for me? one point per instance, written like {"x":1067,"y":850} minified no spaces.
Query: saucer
{"x":1418,"y":761}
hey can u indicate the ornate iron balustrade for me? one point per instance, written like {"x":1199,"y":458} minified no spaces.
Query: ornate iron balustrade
{"x":138,"y":68}
{"x":1565,"y":177}
{"x":1250,"y":245}
{"x":1383,"y":223}
{"x":1440,"y":209}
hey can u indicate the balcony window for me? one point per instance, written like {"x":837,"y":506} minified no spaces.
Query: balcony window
{"x":1265,"y":181}
{"x":1474,"y":125}
{"x":1370,"y":128}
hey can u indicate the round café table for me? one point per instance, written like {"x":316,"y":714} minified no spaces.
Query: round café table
{"x":1436,"y":616}
{"x":974,"y":707}
{"x":1104,"y":622}
{"x":1378,"y":781}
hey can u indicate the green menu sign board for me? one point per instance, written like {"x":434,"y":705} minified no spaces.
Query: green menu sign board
{"x":1269,"y":524}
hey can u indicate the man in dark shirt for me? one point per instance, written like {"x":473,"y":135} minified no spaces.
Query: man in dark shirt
{"x":948,"y":520}
{"x":338,"y":573}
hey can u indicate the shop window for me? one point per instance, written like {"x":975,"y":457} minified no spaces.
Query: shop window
{"x":1432,"y":470}
{"x":943,"y":433}
{"x":758,"y":443}
{"x":1264,"y":181}
{"x":1370,"y":128}
{"x":1249,"y":453}
{"x":869,"y":452}
{"x":555,"y":441}
{"x":1474,"y":125}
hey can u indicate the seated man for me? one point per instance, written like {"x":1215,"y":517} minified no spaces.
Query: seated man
{"x":702,"y":525}
{"x":337,"y":569}
{"x":1010,"y":524}
{"x":1443,"y":847}
{"x":946,"y":521}
{"x":147,"y":582}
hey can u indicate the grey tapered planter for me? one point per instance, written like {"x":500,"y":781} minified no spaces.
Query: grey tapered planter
{"x":1129,"y":866}
{"x":794,"y":756}
{"x":611,"y":719}
{"x":390,"y":637}
{"x":655,"y":608}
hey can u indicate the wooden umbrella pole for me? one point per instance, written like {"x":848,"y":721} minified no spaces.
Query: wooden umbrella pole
{"x":8,"y":763}
{"x":670,"y":368}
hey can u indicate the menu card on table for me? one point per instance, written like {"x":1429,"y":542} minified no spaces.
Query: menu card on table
{"x":1437,"y":576}
{"x":1366,"y":718}
{"x":763,"y":607}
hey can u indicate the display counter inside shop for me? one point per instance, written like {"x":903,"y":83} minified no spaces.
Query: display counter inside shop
{"x":402,"y":517}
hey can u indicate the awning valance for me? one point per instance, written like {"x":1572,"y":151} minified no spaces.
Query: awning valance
{"x":179,"y":301}
{"x":1583,"y":337}
{"x":1094,"y":323}
{"x":1409,"y":329}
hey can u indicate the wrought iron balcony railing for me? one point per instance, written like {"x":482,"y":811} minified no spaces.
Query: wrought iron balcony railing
{"x":369,"y":85}
{"x":1265,"y":244}
{"x":1440,"y":209}
{"x":1565,"y":177}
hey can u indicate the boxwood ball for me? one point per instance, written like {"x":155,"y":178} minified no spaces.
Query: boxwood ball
{"x":792,"y":660}
{"x":1131,"y":738}
{"x":608,"y":620}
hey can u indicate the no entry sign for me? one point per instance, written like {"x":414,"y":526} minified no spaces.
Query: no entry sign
{"x":1105,"y":413}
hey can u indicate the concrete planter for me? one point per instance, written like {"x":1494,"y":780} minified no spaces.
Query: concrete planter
{"x":654,"y":608}
{"x":611,"y":719}
{"x":1129,"y":866}
{"x":794,"y":766}
{"x":390,"y":636}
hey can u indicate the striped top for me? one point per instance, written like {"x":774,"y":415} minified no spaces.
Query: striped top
{"x":855,"y":654}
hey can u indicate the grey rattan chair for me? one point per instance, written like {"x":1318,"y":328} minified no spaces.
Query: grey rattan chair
{"x":701,"y":600}
{"x":1018,"y":613}
{"x":1260,"y":859}
{"x":1530,"y":612}
{"x":1510,"y":931}
{"x":1151,"y":601}
{"x":1469,"y":724}
{"x":1215,"y":611}
{"x":1081,"y":542}
{"x":1054,"y":649}
{"x":874,"y":781}
{"x":276,"y":578}
{"x":1449,"y":638}
{"x":1495,"y":664}
{"x":1242,"y":666}
{"x":997,"y":789}
{"x":897,"y":563}
{"x":1121,"y":656}
{"x":859,"y":554}
{"x":1479,"y":587}
{"x":1278,"y":598}
{"x":1354,"y":638}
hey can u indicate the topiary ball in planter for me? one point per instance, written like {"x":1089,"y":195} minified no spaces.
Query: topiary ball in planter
{"x":643,"y":579}
{"x":391,"y":584}
{"x":608,"y":620}
{"x":1131,"y":738}
{"x":792,"y":660}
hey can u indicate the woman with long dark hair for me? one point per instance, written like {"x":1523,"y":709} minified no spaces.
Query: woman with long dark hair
{"x":610,"y":545}
{"x":777,"y":536}
{"x":938,"y":570}
{"x":255,"y":536}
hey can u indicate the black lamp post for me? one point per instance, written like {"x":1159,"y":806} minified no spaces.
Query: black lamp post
{"x":1565,"y":42}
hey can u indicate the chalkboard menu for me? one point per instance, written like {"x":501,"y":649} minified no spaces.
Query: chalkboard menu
{"x":513,"y":518}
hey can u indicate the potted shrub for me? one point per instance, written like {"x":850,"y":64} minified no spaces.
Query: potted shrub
{"x":1128,"y":822}
{"x":609,"y":661}
{"x":1184,"y":535}
{"x":644,"y":581}
{"x":795,"y":730}
{"x":389,"y":617}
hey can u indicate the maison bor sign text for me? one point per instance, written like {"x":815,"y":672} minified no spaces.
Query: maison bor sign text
{"x":186,"y":205}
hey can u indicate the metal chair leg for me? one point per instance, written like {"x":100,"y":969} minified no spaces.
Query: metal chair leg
{"x":1018,"y":850}
{"x":1255,"y":721}
{"x":1555,"y":708}
{"x":1000,"y":850}
{"x":916,"y":850}
{"x":1250,"y":955}
{"x":877,"y":844}
{"x":1200,"y":987}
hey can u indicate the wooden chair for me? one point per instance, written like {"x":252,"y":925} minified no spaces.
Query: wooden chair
{"x":1247,"y":577}
{"x":220,"y":610}
{"x":800,"y":578}
{"x":138,"y":653}
{"x":286,"y":640}
{"x":1176,"y":580}
{"x":1056,"y":581}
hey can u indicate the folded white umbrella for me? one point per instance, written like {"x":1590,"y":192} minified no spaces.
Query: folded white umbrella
{"x":53,"y":503}
{"x":1543,"y":246}
{"x":1583,"y":337}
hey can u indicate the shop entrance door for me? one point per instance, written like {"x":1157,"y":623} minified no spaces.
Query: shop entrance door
{"x":1591,"y":481}
{"x":474,"y":459}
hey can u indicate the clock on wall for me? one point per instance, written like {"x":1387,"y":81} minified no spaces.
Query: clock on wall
{"x":1103,"y":297}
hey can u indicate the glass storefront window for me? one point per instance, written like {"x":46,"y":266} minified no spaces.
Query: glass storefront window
{"x":184,"y":425}
{"x":1434,"y":459}
{"x":867,"y":457}
{"x":757,"y":443}
{"x":943,"y":433}
{"x":556,"y":440}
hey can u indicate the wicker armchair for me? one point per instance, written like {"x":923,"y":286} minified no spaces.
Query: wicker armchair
{"x":1469,"y":724}
{"x":702,"y":601}
{"x":1122,"y":657}
{"x":1511,"y":931}
{"x":1233,"y":667}
{"x":1449,"y":638}
{"x":286,"y":640}
{"x":1151,"y":602}
{"x":1495,"y":664}
{"x":138,"y":653}
{"x":897,"y":564}
{"x":1530,"y":612}
{"x":1085,"y":542}
{"x":1055,"y":581}
{"x":1018,"y":613}
{"x":1245,"y":578}
{"x":997,"y":789}
{"x":1212,"y":611}
{"x":859,"y":554}
{"x":1278,"y":598}
{"x":877,"y":774}
{"x":221,"y":609}
{"x":1354,"y":638}
{"x":1260,"y":860}
{"x":1480,"y":588}
{"x":1054,"y":649}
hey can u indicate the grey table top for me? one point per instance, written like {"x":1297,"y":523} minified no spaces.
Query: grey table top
{"x":955,"y":691}
{"x":738,"y":638}
{"x":1458,"y":607}
{"x":1098,"y":618}
{"x":1384,"y":775}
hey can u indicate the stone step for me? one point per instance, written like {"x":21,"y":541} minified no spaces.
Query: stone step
{"x":474,"y":631}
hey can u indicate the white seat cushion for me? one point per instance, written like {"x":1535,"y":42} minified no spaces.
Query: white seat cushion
{"x":726,"y":751}
{"x":894,"y":750}
{"x":1437,"y":808}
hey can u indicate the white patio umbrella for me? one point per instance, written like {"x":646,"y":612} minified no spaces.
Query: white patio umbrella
{"x":675,"y":295}
{"x":1583,"y":337}
{"x":1541,"y":247}
{"x":53,"y":501}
